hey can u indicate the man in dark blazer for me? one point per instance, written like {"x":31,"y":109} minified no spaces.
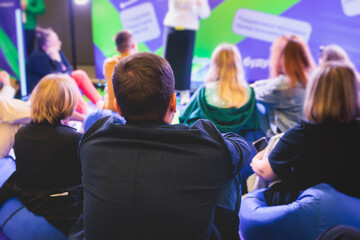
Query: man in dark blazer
{"x":149,"y":179}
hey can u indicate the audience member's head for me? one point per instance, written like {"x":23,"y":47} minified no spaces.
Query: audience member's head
{"x":332,"y":94}
{"x":47,"y":38}
{"x":125,"y":42}
{"x":291,"y":56}
{"x":226,"y":68}
{"x":334,"y":52}
{"x":144,"y":88}
{"x":53,"y":99}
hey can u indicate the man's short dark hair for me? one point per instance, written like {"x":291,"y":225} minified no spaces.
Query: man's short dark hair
{"x":143,"y":85}
{"x":124,"y":39}
{"x":41,"y":35}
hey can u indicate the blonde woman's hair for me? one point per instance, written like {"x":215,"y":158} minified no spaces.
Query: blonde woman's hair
{"x":290,"y":55}
{"x":54,"y":98}
{"x":332,"y":94}
{"x":226,"y":68}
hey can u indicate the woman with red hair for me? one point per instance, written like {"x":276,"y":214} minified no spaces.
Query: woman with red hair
{"x":283,"y":94}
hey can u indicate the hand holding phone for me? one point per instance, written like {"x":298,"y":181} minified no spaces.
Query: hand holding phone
{"x":260,"y":144}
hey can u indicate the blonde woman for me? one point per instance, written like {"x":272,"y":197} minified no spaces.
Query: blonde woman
{"x":226,"y":99}
{"x":48,"y":170}
{"x":323,"y":149}
{"x":283,"y":94}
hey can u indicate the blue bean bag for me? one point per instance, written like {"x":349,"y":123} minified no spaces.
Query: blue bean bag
{"x":18,"y":223}
{"x":316,"y":210}
{"x":7,"y":167}
{"x":3,"y":236}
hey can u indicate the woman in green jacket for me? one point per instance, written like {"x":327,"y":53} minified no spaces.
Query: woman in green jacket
{"x":226,"y":98}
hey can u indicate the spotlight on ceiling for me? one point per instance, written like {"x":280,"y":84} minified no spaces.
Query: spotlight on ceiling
{"x":81,"y":2}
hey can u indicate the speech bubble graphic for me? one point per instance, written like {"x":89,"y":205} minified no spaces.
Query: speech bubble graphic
{"x":351,"y":7}
{"x":142,"y":22}
{"x":267,"y":27}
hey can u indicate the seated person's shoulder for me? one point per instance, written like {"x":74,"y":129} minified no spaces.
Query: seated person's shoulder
{"x":37,"y":53}
{"x":200,"y":128}
{"x":69,"y":134}
{"x":298,"y":131}
{"x":205,"y":126}
{"x":279,"y":83}
{"x":275,"y":84}
{"x":102,"y":124}
{"x":112,"y":60}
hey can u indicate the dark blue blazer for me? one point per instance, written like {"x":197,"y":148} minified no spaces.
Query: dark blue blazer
{"x":152,"y":180}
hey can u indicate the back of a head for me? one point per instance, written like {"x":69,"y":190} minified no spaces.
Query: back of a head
{"x":53,"y":99}
{"x":124,"y":41}
{"x":226,"y":64}
{"x":291,"y":56}
{"x":143,"y":86}
{"x":332,"y":94}
{"x":226,"y":68}
{"x":333,"y":52}
{"x":42,"y":35}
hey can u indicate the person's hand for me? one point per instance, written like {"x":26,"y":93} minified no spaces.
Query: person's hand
{"x":5,"y":78}
{"x":53,"y":53}
{"x":257,"y":162}
{"x":262,"y":167}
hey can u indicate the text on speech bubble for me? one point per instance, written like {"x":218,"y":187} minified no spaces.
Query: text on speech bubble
{"x":351,"y":7}
{"x":267,"y":27}
{"x":142,"y":22}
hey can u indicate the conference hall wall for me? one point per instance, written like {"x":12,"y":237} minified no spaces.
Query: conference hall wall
{"x":11,"y":35}
{"x":252,"y":25}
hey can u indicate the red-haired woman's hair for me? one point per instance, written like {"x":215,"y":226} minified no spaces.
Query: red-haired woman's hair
{"x":291,"y":56}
